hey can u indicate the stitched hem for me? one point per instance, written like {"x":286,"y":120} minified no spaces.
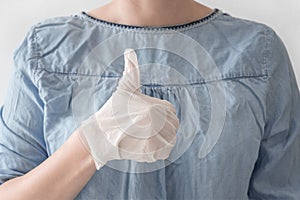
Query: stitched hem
{"x":181,"y":27}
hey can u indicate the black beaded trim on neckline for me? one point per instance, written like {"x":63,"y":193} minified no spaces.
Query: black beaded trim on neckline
{"x":171,"y":27}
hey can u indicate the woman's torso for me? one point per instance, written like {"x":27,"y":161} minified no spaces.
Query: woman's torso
{"x":212,"y":71}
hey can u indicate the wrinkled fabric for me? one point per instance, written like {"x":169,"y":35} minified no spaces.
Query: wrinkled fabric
{"x":254,"y":155}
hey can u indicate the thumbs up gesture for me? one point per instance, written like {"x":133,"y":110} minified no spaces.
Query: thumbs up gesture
{"x":130,"y":125}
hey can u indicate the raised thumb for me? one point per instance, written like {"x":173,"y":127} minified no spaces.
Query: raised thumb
{"x":130,"y":80}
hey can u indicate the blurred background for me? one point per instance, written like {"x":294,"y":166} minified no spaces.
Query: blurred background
{"x":17,"y":16}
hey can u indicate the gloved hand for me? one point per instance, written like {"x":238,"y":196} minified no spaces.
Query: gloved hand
{"x":130,"y":125}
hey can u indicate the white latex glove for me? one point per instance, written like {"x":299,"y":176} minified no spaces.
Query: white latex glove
{"x":130,"y":125}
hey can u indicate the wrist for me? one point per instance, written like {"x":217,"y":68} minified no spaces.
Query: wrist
{"x":84,"y":148}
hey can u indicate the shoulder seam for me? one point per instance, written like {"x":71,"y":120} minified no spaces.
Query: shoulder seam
{"x":267,"y":51}
{"x":36,"y":53}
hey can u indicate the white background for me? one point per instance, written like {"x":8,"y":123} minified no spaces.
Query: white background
{"x":17,"y":16}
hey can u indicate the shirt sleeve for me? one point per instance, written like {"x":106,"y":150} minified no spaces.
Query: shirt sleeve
{"x":22,"y":145}
{"x":276,"y":173}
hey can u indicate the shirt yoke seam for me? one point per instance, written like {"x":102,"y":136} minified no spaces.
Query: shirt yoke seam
{"x":194,"y":83}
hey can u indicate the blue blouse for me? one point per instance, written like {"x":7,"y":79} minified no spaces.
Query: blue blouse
{"x":230,"y":80}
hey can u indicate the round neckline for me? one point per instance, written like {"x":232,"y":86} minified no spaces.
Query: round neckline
{"x":183,"y":26}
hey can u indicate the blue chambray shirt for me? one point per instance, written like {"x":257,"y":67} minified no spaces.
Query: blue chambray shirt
{"x":238,"y":141}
